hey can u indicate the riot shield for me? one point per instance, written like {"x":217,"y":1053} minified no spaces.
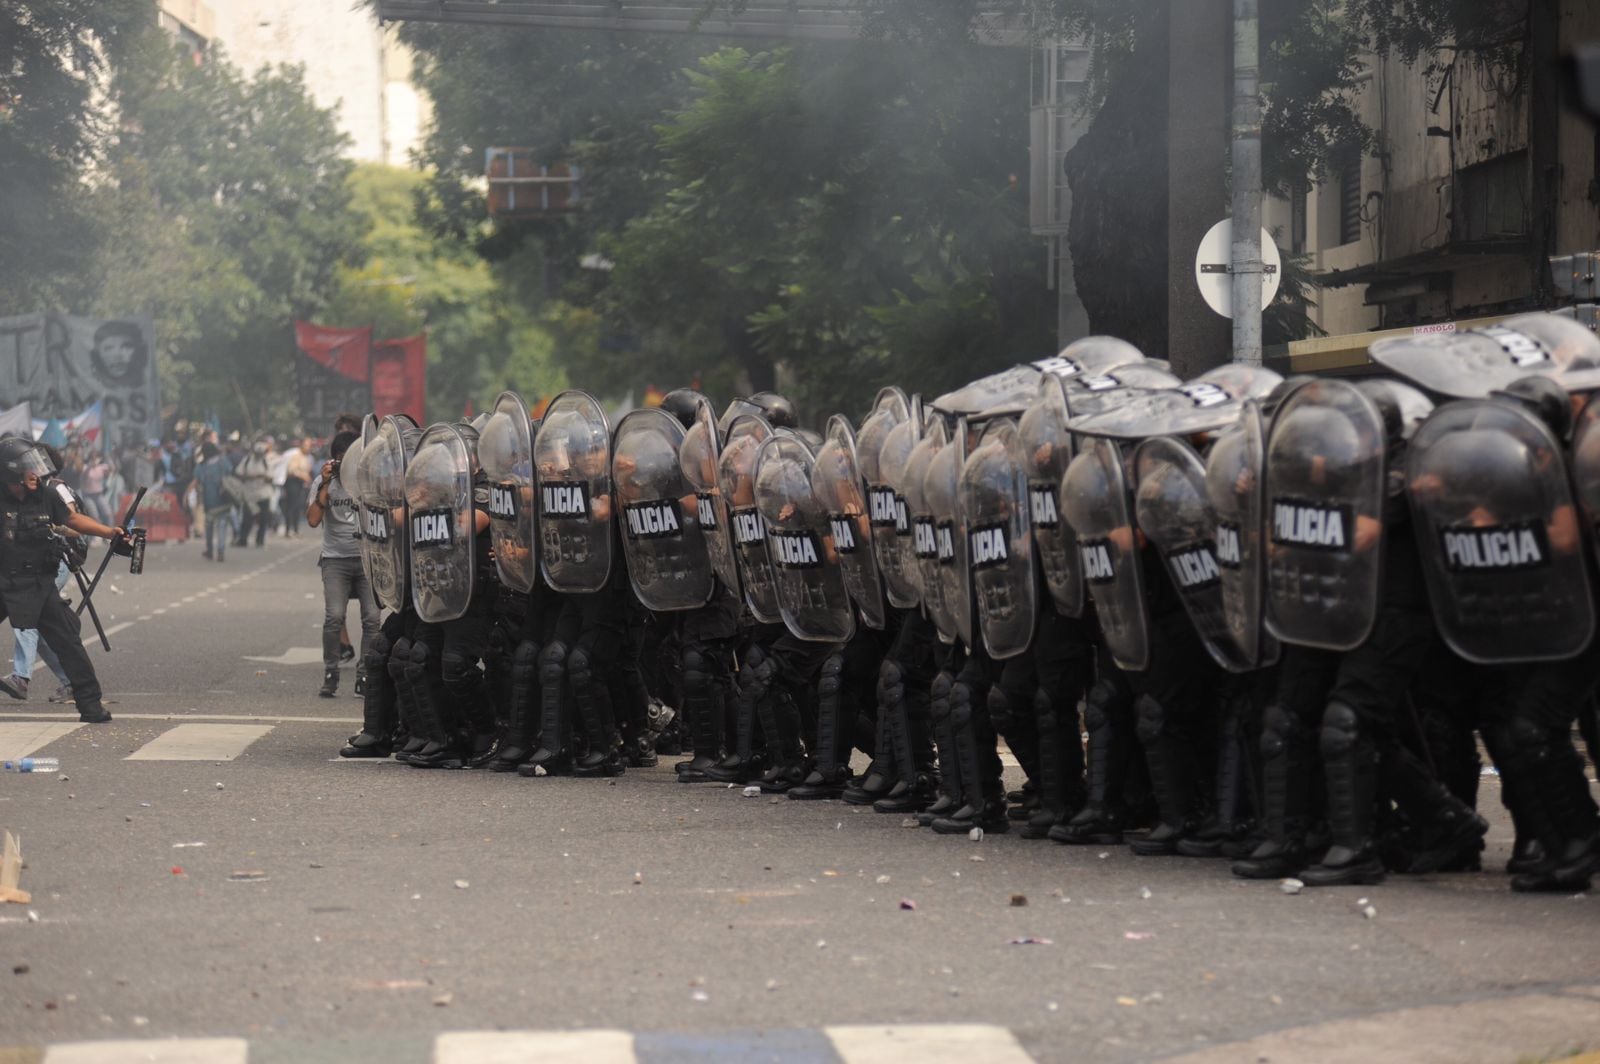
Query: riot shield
{"x":1172,"y":510}
{"x":1089,"y":357}
{"x":736,"y":473}
{"x":1585,"y":467}
{"x":505,"y":451}
{"x":384,"y":481}
{"x":439,"y":521}
{"x":572,"y":460}
{"x":884,"y":446}
{"x":941,"y":493}
{"x":812,"y":596}
{"x":1096,"y":502}
{"x":1234,"y":486}
{"x":1044,"y":448}
{"x":351,"y":473}
{"x":924,"y":527}
{"x":995,"y":501}
{"x":668,"y":562}
{"x":1209,"y":401}
{"x":1501,"y":543}
{"x":1324,"y":516}
{"x":1470,"y":365}
{"x":698,"y":457}
{"x":1092,"y":394}
{"x":837,"y":481}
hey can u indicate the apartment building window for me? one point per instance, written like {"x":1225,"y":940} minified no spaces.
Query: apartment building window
{"x":1299,"y":192}
{"x":1491,"y":198}
{"x":1348,"y":168}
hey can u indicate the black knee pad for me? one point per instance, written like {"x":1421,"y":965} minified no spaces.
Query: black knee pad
{"x":696,"y":670}
{"x":1102,"y":702}
{"x":1152,"y":718}
{"x":831,"y":678}
{"x":1277,"y":730}
{"x":525,"y":662}
{"x":553,"y":661}
{"x":960,"y":704}
{"x":377,"y":656}
{"x":999,"y":709}
{"x":457,"y":667}
{"x":939,"y":694}
{"x":1518,"y":735}
{"x":755,"y":679}
{"x":1043,"y":705}
{"x":415,"y":667}
{"x":399,"y":657}
{"x":1341,"y":729}
{"x":891,"y":682}
{"x":579,"y":667}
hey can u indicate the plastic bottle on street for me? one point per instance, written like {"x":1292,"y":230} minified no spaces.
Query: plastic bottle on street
{"x":34,"y":764}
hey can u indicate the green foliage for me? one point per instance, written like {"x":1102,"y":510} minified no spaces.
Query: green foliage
{"x":54,"y":56}
{"x":480,"y":340}
{"x":227,"y":211}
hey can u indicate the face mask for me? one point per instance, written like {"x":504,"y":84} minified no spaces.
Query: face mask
{"x":260,"y":448}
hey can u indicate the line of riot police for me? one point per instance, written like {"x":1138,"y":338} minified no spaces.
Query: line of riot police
{"x":1238,"y":617}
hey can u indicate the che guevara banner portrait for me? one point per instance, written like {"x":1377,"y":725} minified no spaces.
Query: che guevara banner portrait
{"x":61,"y":364}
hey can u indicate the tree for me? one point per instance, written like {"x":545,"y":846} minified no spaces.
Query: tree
{"x":229,"y":206}
{"x":54,"y":58}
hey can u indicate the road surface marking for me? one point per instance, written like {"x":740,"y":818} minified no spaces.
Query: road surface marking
{"x":236,"y":718}
{"x":547,"y":1047}
{"x":200,"y":742}
{"x":291,"y":656}
{"x":926,"y":1044}
{"x":175,"y":1051}
{"x":21,"y":738}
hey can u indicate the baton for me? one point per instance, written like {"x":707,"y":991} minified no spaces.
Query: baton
{"x":83,"y":586}
{"x":127,"y":519}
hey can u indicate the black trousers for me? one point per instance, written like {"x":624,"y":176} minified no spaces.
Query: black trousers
{"x":59,"y":627}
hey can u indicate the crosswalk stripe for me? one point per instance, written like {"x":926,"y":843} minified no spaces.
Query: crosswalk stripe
{"x":927,"y":1044}
{"x":200,"y":742}
{"x":19,"y":738}
{"x":546,"y":1047}
{"x":154,"y":1051}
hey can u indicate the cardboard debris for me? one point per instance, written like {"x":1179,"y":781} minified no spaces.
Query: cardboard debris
{"x":11,"y":872}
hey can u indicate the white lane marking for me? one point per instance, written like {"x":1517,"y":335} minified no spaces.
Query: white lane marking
{"x":931,"y":1043}
{"x":159,"y":612}
{"x":292,"y":656}
{"x":19,"y":738}
{"x":200,"y":742}
{"x":190,"y":598}
{"x":547,"y":1047}
{"x":155,"y":1051}
{"x":186,"y":717}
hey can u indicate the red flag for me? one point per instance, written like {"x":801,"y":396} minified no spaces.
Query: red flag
{"x":342,"y":350}
{"x":399,"y":377}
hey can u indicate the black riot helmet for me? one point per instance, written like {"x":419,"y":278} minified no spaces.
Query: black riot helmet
{"x":18,"y":458}
{"x":681,"y":403}
{"x":1544,"y":399}
{"x":779,"y":409}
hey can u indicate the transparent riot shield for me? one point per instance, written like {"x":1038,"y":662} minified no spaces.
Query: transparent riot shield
{"x":812,"y":596}
{"x":1500,"y":536}
{"x":1209,"y":401}
{"x":505,"y":451}
{"x":912,"y":485}
{"x":883,"y":447}
{"x":1585,"y":467}
{"x":1234,"y":486}
{"x":1172,"y":510}
{"x":439,"y":521}
{"x":572,"y":462}
{"x":1324,"y":516}
{"x":941,"y":487}
{"x":736,"y":473}
{"x":837,"y":481}
{"x":1470,"y":365}
{"x":668,"y":562}
{"x":384,"y":481}
{"x":698,"y":457}
{"x":995,"y":499}
{"x":1089,"y":357}
{"x":1096,"y":502}
{"x":1044,"y":448}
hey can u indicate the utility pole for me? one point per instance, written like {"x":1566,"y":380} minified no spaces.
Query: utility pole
{"x":1247,"y":267}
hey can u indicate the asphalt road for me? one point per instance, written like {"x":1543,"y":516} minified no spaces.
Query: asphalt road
{"x":352,"y":911}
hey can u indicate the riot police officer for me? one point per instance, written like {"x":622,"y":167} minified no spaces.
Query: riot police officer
{"x":30,"y":553}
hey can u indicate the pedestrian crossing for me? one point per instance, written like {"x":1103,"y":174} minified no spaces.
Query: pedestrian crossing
{"x":205,"y":741}
{"x":851,"y":1044}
